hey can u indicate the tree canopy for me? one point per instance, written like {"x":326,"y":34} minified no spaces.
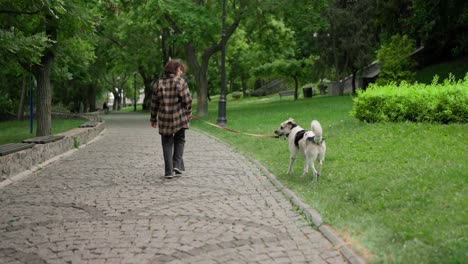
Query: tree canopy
{"x":79,"y":50}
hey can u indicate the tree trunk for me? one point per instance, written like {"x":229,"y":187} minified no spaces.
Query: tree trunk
{"x":42,"y":73}
{"x":244,"y":85}
{"x":354,"y":81}
{"x":165,"y":50}
{"x":148,"y":82}
{"x":92,"y":91}
{"x":20,"y":115}
{"x":202,"y":106}
{"x":200,"y":79}
{"x":119,"y":102}
{"x":44,"y":91}
{"x":148,"y":93}
{"x":201,"y":70}
{"x":116,"y":100}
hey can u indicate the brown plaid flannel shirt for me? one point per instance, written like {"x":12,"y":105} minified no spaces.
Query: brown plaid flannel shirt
{"x":171,"y":105}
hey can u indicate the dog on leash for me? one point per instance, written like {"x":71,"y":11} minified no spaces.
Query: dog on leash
{"x":307,"y":143}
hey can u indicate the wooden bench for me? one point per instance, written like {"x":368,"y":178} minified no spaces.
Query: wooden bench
{"x":13,"y":147}
{"x":90,"y":124}
{"x":286,"y":93}
{"x":43,"y":140}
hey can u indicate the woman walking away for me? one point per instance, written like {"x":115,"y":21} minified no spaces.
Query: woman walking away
{"x":171,"y":111}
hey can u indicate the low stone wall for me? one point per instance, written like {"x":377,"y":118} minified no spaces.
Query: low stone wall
{"x":15,"y":163}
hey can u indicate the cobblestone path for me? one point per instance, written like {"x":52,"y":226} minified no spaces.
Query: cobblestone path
{"x":108,"y":203}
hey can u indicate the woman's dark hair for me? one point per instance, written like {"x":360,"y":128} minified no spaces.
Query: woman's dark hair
{"x":172,"y":66}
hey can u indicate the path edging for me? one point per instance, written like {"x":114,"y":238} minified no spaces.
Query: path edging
{"x":315,"y":217}
{"x":19,"y":165}
{"x":308,"y":212}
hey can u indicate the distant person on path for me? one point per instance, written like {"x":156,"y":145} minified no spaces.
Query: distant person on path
{"x":171,"y":109}
{"x":105,"y":108}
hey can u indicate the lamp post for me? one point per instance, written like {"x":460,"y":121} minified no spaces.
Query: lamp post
{"x":134,"y":87}
{"x":222,"y":98}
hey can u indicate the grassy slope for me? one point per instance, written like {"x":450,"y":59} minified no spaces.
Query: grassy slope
{"x":459,"y":68}
{"x":398,"y":189}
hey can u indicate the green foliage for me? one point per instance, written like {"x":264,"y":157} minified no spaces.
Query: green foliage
{"x":395,"y":60}
{"x":76,"y":142}
{"x":15,"y":45}
{"x":284,"y":68}
{"x":236,"y":95}
{"x":6,"y":105}
{"x":439,"y":103}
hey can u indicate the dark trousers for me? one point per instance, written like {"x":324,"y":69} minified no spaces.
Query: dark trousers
{"x":173,"y":151}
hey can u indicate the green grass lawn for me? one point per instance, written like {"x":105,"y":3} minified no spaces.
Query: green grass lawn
{"x":396,"y":192}
{"x":16,"y":131}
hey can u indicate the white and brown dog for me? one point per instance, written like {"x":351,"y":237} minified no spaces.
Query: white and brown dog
{"x":309,"y":144}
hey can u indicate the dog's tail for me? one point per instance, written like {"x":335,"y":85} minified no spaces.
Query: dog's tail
{"x":317,"y":129}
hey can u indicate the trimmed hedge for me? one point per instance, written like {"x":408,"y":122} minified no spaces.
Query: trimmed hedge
{"x":436,"y":103}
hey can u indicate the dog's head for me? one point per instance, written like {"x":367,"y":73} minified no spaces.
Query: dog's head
{"x":285,"y":127}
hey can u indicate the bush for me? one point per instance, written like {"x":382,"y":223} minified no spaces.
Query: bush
{"x":6,"y":105}
{"x":236,"y":95}
{"x":440,"y":103}
{"x":395,"y":58}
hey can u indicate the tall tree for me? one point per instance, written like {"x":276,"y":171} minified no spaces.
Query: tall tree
{"x":440,"y":26}
{"x":198,"y":27}
{"x":133,"y":39}
{"x":53,"y":19}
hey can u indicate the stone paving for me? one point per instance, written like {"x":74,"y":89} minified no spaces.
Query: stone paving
{"x":108,"y":203}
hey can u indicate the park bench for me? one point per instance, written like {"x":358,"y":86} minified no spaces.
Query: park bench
{"x":286,"y":93}
{"x":90,"y":124}
{"x":9,"y":148}
{"x":43,"y":139}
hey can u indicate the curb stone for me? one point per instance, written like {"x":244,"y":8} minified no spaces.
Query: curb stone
{"x":315,"y":217}
{"x":24,"y":174}
{"x":304,"y":209}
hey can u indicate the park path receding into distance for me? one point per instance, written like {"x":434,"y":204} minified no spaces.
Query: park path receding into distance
{"x":108,"y":203}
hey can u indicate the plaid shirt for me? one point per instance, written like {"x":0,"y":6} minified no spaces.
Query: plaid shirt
{"x":171,"y":105}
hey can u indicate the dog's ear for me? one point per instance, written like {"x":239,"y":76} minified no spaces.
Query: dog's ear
{"x":291,"y":121}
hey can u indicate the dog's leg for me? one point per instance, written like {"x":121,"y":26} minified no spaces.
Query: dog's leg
{"x":291,"y":162}
{"x":314,"y":171}
{"x":306,"y":166}
{"x":319,"y":168}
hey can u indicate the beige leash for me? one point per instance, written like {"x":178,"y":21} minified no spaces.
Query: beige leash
{"x":234,"y":131}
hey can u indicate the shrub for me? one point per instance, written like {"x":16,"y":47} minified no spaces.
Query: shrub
{"x":76,"y":142}
{"x":6,"y":105}
{"x":236,"y":95}
{"x":439,"y":103}
{"x":395,"y":58}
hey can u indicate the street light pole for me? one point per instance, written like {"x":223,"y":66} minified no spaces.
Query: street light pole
{"x":222,"y":98}
{"x":134,"y":87}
